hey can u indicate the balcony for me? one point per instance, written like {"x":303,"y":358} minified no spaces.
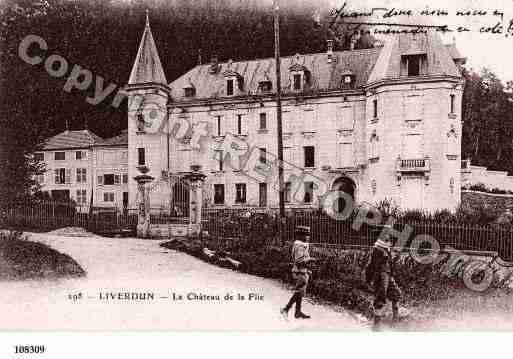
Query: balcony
{"x":421,"y":165}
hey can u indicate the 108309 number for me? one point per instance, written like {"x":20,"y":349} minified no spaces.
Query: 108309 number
{"x":29,"y":349}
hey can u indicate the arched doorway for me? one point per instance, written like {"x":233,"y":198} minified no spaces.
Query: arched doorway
{"x":346,"y":185}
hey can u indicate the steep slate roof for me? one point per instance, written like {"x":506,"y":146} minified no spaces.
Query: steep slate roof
{"x":324,"y":76}
{"x":147,"y":66}
{"x":119,"y":140}
{"x":439,"y":59}
{"x":72,"y":139}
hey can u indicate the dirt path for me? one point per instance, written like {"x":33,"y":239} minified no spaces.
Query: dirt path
{"x":132,"y":265}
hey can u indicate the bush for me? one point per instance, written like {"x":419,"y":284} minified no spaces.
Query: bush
{"x":480,"y":187}
{"x":338,"y":277}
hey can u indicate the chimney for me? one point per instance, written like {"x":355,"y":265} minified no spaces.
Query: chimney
{"x":352,"y":43}
{"x":354,"y":39}
{"x":214,"y":65}
{"x":329,"y":50}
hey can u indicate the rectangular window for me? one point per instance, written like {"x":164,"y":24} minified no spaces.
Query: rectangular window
{"x":240,"y":196}
{"x":263,"y":155}
{"x":375,"y":108}
{"x":452,"y":104}
{"x":141,"y":160}
{"x":265,"y":86}
{"x":189,"y":91}
{"x":263,"y":121}
{"x":40,"y":178}
{"x":218,"y":193}
{"x":414,"y":65}
{"x":288,"y":157}
{"x":108,"y":197}
{"x":309,"y":152}
{"x":108,"y":179}
{"x":297,"y":82}
{"x":220,"y":159}
{"x":239,"y":124}
{"x":80,"y":155}
{"x":309,"y":192}
{"x":262,"y":194}
{"x":229,"y":87}
{"x":60,"y":175}
{"x":39,"y":156}
{"x":117,"y":179}
{"x":374,"y":147}
{"x":60,"y":156}
{"x":288,"y":192}
{"x":125,"y":178}
{"x":81,"y":196}
{"x":219,"y":125}
{"x":81,"y":175}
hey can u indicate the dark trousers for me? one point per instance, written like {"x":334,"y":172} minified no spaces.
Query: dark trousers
{"x":300,"y":284}
{"x":385,"y":288}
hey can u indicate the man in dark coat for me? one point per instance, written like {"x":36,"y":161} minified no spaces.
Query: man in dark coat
{"x":300,"y":272}
{"x":380,"y":274}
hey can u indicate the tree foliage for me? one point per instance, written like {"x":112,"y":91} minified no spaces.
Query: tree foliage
{"x":488,"y":121}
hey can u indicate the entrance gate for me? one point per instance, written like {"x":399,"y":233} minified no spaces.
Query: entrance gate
{"x":174,"y":205}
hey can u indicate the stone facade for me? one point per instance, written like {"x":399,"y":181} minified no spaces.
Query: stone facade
{"x":384,"y":123}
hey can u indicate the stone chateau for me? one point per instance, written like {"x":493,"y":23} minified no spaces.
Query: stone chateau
{"x":379,"y":123}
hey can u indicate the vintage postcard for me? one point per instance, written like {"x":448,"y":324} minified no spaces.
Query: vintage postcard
{"x":256,"y":165}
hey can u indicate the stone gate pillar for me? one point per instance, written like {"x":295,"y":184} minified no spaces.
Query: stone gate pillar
{"x":195,"y":180}
{"x":143,"y":205}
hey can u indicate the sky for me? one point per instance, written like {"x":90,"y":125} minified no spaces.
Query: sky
{"x":494,"y":51}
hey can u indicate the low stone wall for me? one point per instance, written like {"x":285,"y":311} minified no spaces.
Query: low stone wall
{"x":473,"y":175}
{"x":498,"y":201}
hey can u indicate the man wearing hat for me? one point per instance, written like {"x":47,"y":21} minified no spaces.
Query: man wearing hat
{"x":380,"y":273}
{"x":300,"y":272}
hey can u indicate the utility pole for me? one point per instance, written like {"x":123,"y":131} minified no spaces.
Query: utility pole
{"x":276,"y":12}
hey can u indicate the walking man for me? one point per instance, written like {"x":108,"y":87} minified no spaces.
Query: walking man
{"x":300,"y":272}
{"x":380,"y":274}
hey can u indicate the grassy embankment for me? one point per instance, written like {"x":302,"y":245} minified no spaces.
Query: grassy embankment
{"x":22,"y":259}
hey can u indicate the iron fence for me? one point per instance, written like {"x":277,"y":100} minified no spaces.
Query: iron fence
{"x":329,"y":232}
{"x":49,"y":215}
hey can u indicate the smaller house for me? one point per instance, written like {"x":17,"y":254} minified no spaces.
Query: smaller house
{"x":85,"y":168}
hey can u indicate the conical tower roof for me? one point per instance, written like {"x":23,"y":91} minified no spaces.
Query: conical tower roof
{"x":147,"y":66}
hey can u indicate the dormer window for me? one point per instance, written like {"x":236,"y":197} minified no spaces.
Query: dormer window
{"x":414,"y":65}
{"x":229,"y":87}
{"x":300,"y":76}
{"x":234,"y":82}
{"x":189,"y":91}
{"x":265,"y":86}
{"x":297,"y":82}
{"x":348,"y":79}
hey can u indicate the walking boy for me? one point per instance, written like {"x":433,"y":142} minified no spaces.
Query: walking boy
{"x":300,"y":272}
{"x":380,"y":273}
